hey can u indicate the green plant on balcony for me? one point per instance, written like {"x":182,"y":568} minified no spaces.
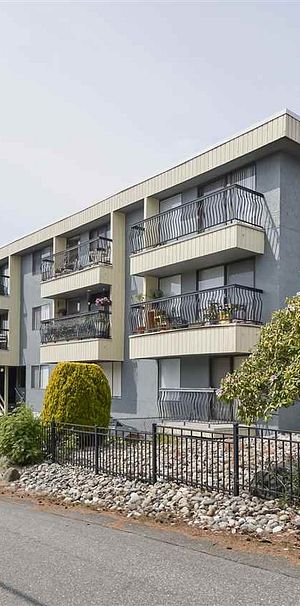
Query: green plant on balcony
{"x":211,"y":314}
{"x":157,"y":293}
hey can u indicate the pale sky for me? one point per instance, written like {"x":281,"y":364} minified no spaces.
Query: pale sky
{"x":97,"y":96}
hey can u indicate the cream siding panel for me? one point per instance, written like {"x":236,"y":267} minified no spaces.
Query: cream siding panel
{"x":245,"y":143}
{"x":293,"y":129}
{"x":81,"y":351}
{"x":5,"y":302}
{"x":233,"y":237}
{"x":85,"y":278}
{"x":230,"y":339}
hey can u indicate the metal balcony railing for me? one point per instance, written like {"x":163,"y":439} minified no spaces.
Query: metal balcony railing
{"x":233,"y":203}
{"x":194,"y":405}
{"x":91,"y":325}
{"x":4,"y":338}
{"x":235,"y":303}
{"x":92,"y":252}
{"x":4,"y":285}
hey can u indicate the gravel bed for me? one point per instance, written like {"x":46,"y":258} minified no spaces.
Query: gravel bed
{"x":163,"y":501}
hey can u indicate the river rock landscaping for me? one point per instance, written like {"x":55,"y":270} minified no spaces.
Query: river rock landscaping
{"x":164,"y":501}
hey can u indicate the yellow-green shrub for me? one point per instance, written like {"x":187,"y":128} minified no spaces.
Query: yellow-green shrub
{"x":77,"y":393}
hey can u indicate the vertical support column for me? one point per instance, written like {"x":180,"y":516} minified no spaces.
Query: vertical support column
{"x":151,"y":228}
{"x":118,"y":284}
{"x":151,"y":207}
{"x":59,"y":245}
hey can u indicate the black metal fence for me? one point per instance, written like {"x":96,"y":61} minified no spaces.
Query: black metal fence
{"x":258,"y":461}
{"x":92,"y":252}
{"x":91,"y":325}
{"x":234,"y":203}
{"x":194,"y":405}
{"x":225,"y":304}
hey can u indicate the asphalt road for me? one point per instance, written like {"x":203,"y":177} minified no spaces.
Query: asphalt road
{"x":64,"y":558}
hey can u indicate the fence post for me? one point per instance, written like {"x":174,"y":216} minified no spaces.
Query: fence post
{"x":53,"y":441}
{"x":96,"y":450}
{"x":154,"y":453}
{"x":236,"y":488}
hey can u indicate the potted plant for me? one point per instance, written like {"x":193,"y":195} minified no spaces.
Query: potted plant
{"x":103,"y":302}
{"x":225,"y":314}
{"x":139,"y":298}
{"x":157,"y":294}
{"x":211,"y":314}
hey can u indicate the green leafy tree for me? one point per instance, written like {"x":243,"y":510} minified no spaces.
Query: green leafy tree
{"x":270,"y":377}
{"x":79,"y":394}
{"x":21,"y":437}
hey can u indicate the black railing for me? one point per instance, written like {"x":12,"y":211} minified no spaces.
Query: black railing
{"x":4,"y":338}
{"x":20,"y":395}
{"x":235,"y":303}
{"x":4,"y":285}
{"x":91,"y":325}
{"x":92,"y":252}
{"x":239,"y":459}
{"x":233,"y":203}
{"x":194,"y":405}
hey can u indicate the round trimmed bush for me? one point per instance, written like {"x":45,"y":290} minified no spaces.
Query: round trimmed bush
{"x":79,"y":394}
{"x":21,"y":437}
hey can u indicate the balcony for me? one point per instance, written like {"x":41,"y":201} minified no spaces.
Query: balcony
{"x":92,"y":325}
{"x":4,"y":286}
{"x":3,"y":338}
{"x":82,"y":337}
{"x":77,"y":268}
{"x":194,"y":405}
{"x":222,"y":320}
{"x":220,"y":227}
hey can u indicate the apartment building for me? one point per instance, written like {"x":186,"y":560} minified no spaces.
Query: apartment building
{"x":165,"y":284}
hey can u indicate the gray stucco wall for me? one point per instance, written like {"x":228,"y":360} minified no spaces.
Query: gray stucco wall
{"x":30,"y":339}
{"x":267,"y":265}
{"x":289,"y":261}
{"x":278,"y":270}
{"x":139,"y":377}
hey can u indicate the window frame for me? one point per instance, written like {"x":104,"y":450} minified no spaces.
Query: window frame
{"x":39,"y":368}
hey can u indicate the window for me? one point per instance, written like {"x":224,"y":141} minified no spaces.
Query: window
{"x":213,"y":277}
{"x":136,"y":288}
{"x":219,"y":368}
{"x":239,"y":272}
{"x":40,"y":313}
{"x":40,"y":376}
{"x":169,"y":373}
{"x":73,"y":307}
{"x":170,"y":286}
{"x":35,"y":377}
{"x":36,"y":318}
{"x":113,"y":372}
{"x":244,"y":176}
{"x":100,"y":232}
{"x":170,"y":203}
{"x":44,"y":376}
{"x":38,"y":257}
